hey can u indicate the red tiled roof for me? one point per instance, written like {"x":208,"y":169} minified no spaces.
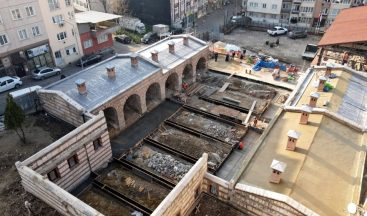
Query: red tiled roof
{"x":350,"y":26}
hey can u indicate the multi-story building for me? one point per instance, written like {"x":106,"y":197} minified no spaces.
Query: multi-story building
{"x":23,"y":37}
{"x":62,"y":31}
{"x":36,"y":33}
{"x":297,"y":13}
{"x":264,"y":11}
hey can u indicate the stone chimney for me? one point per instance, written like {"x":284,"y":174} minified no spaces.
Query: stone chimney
{"x":306,"y":110}
{"x":313,"y":99}
{"x":171,"y":47}
{"x":82,"y":88}
{"x":322,"y":81}
{"x":111,"y":72}
{"x":154,"y":55}
{"x":186,"y":40}
{"x":293,"y":136}
{"x":134,"y":60}
{"x":277,"y":169}
{"x":329,"y":68}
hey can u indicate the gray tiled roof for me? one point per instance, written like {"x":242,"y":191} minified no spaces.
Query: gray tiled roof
{"x":99,"y":86}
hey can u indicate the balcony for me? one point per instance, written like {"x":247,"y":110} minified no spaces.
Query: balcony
{"x":297,"y":1}
{"x":295,"y":11}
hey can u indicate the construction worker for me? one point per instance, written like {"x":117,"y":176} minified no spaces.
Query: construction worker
{"x":216,"y":56}
{"x":255,"y":121}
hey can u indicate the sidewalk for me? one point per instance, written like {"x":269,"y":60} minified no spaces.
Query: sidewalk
{"x":239,"y":69}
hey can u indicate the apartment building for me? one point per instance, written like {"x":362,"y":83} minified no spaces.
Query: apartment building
{"x":264,"y":11}
{"x":23,"y":37}
{"x":297,"y":13}
{"x":37,"y":33}
{"x":186,"y":11}
{"x":62,"y":31}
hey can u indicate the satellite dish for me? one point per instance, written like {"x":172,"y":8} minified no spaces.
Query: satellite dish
{"x":352,"y":208}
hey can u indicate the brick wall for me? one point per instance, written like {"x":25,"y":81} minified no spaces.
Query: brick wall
{"x":181,"y":199}
{"x":256,"y":201}
{"x":78,"y":144}
{"x":216,"y":186}
{"x":59,"y":105}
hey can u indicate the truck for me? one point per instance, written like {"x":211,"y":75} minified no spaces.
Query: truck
{"x":310,"y":52}
{"x":159,"y":31}
{"x":132,"y":24}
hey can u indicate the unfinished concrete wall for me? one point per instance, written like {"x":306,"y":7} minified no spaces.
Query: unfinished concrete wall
{"x":181,"y":199}
{"x":256,"y":201}
{"x":71,"y":159}
{"x":53,"y":195}
{"x":61,"y":106}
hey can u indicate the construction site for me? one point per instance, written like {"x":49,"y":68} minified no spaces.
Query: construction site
{"x":164,"y":132}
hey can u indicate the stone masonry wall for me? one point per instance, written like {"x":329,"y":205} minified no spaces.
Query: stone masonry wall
{"x":216,"y":186}
{"x":61,"y":106}
{"x":79,"y":144}
{"x":181,"y":199}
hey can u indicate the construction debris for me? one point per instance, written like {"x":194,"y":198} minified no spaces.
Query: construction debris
{"x":167,"y":166}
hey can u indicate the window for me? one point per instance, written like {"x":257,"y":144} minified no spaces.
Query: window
{"x":57,"y":19}
{"x":273,"y":16}
{"x":70,"y":50}
{"x":3,"y":39}
{"x":274,"y":6}
{"x":71,"y":14}
{"x":61,"y":36}
{"x":53,"y":4}
{"x":88,"y":44}
{"x":73,"y":161}
{"x":213,"y":189}
{"x":264,"y":5}
{"x":53,"y":175}
{"x":58,"y":54}
{"x":36,"y":31}
{"x":16,"y":14}
{"x":67,"y":2}
{"x":29,"y":10}
{"x":102,"y":38}
{"x":97,"y":144}
{"x":22,"y":34}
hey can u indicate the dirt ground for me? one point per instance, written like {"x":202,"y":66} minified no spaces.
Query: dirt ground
{"x":143,"y":191}
{"x":209,"y":205}
{"x":40,"y":131}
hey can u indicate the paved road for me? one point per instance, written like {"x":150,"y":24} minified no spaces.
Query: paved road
{"x":67,"y":71}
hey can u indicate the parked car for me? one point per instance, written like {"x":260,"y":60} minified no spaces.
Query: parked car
{"x":149,"y":37}
{"x":297,"y":34}
{"x":236,"y":19}
{"x":123,"y":39}
{"x":277,"y":30}
{"x":9,"y":82}
{"x":44,"y":72}
{"x":89,"y":60}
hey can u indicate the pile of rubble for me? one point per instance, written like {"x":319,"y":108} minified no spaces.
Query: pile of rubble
{"x":167,"y":166}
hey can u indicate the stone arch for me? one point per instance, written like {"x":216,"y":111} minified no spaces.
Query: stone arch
{"x":201,"y":65}
{"x":188,"y":74}
{"x":112,"y":120}
{"x":153,"y":96}
{"x":172,"y":84}
{"x":132,"y":109}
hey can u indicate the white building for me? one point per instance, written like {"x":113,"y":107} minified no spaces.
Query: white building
{"x":23,"y":37}
{"x":62,"y":31}
{"x":264,"y":10}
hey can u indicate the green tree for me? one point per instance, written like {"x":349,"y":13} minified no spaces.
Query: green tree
{"x":14,"y":118}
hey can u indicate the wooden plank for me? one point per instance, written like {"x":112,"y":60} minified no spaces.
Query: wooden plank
{"x":224,"y":87}
{"x":230,"y":76}
{"x":250,"y":112}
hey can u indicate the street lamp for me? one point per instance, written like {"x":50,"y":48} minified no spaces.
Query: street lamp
{"x":77,"y":43}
